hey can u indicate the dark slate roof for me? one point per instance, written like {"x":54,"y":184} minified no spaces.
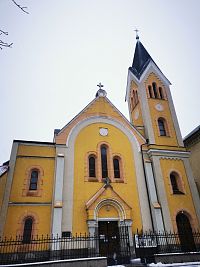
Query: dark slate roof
{"x":141,"y":60}
{"x":192,"y":137}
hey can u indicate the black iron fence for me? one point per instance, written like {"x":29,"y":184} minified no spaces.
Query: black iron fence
{"x":45,"y":248}
{"x":150,"y":243}
{"x":117,"y":247}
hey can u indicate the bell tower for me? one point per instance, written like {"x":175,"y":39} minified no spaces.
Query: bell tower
{"x":149,"y":100}
{"x":170,"y":183}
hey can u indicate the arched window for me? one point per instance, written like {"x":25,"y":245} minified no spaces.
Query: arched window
{"x":150,"y":91}
{"x":155,"y":90}
{"x":175,"y":183}
{"x":116,"y":166}
{"x":136,"y":97}
{"x":104,"y":164}
{"x":185,"y":232}
{"x":28,"y":225}
{"x":132,"y":102}
{"x":92,"y":166}
{"x":162,"y":127}
{"x":161,"y":93}
{"x":33,"y":180}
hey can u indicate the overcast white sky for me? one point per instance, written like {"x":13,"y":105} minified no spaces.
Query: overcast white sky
{"x":64,"y":48}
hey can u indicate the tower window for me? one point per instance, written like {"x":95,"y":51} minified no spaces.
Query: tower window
{"x":33,"y":180}
{"x":162,"y":127}
{"x":104,"y":164}
{"x":150,"y":91}
{"x":28,"y":225}
{"x":175,"y":183}
{"x":155,"y":90}
{"x":92,"y":166}
{"x":136,"y":97}
{"x":116,"y":165}
{"x":161,"y":93}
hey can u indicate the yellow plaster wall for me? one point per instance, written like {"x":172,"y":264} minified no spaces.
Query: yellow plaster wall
{"x":194,"y":161}
{"x":136,"y":113}
{"x":100,"y":107}
{"x":86,"y":141}
{"x":22,"y":167}
{"x":36,"y":150}
{"x":108,"y":211}
{"x":2,"y":187}
{"x":15,"y":215}
{"x":155,"y":114}
{"x":177,"y":202}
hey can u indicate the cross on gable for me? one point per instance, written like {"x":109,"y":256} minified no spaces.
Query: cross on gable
{"x":100,"y":85}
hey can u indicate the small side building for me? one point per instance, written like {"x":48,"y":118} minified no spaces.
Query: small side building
{"x":192,"y":143}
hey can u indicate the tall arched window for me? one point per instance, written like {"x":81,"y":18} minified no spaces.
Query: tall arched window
{"x":176,"y":183}
{"x":136,"y":97}
{"x":162,"y":127}
{"x":150,"y":91}
{"x":116,"y":166}
{"x":132,"y":102}
{"x":155,"y":89}
{"x":104,"y":164}
{"x":161,"y":93}
{"x":28,"y":225}
{"x":92,"y":166}
{"x":33,"y":180}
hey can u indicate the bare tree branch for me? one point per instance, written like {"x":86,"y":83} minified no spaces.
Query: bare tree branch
{"x":2,"y":43}
{"x":21,"y":7}
{"x":2,"y":32}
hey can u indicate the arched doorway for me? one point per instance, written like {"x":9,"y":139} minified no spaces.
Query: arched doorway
{"x":185,"y":232}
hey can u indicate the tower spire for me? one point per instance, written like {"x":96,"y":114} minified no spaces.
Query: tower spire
{"x":137,"y":36}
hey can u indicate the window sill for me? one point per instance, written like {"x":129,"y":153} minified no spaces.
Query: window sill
{"x":92,"y":179}
{"x":33,"y":193}
{"x":118,"y":180}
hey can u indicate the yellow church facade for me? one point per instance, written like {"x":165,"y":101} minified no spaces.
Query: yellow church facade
{"x":102,"y":171}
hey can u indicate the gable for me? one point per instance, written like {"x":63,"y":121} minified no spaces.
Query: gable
{"x":100,"y":107}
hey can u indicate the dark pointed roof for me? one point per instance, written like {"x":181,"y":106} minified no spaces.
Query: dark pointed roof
{"x":141,"y":59}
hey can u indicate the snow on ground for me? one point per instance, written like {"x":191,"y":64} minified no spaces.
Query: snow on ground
{"x":160,"y":264}
{"x":186,"y":264}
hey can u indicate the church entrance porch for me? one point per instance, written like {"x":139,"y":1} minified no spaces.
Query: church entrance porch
{"x":109,"y":240}
{"x":114,"y":242}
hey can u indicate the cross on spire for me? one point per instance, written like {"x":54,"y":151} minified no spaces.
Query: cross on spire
{"x":137,"y":36}
{"x":100,"y":85}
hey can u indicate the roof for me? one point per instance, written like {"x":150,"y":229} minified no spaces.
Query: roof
{"x":4,"y":168}
{"x":141,"y":60}
{"x":192,"y":136}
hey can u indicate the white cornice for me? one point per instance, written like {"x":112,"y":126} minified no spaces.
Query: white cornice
{"x":168,"y":153}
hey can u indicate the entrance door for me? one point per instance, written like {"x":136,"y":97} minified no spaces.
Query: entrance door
{"x":185,"y":233}
{"x":109,"y":242}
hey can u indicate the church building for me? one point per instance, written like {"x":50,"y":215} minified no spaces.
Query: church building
{"x":102,"y":170}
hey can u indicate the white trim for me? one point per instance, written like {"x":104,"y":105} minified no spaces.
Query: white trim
{"x":53,"y":262}
{"x":111,"y":202}
{"x":68,"y":188}
{"x":8,"y":186}
{"x":58,"y":189}
{"x":151,"y":67}
{"x":174,"y":153}
{"x":106,"y":120}
{"x":108,"y":219}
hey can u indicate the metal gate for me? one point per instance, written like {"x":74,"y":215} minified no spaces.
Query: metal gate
{"x":114,"y":242}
